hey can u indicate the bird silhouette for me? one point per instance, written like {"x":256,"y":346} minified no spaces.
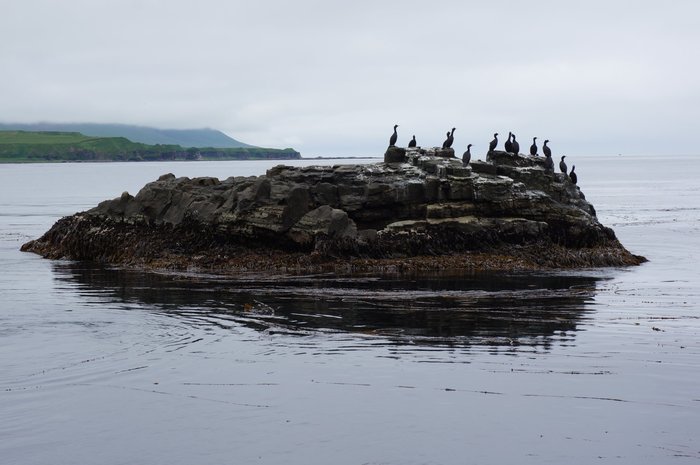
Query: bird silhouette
{"x":508,"y":145}
{"x":466,"y":158}
{"x":444,"y":144}
{"x":450,"y":139}
{"x":562,"y":165}
{"x":494,"y":143}
{"x":394,"y":137}
{"x":548,"y":164}
{"x":547,"y":151}
{"x":514,"y":146}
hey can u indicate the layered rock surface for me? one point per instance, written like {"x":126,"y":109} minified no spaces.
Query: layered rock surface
{"x":422,"y":207}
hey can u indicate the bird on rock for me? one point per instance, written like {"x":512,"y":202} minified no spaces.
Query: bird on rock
{"x":508,"y":144}
{"x":394,"y":137}
{"x":572,"y":175}
{"x":514,"y":146}
{"x":466,"y":158}
{"x":548,"y":164}
{"x":533,"y":147}
{"x":494,"y":143}
{"x":547,"y":151}
{"x":444,"y":144}
{"x":412,"y":142}
{"x":450,"y":139}
{"x":562,"y":165}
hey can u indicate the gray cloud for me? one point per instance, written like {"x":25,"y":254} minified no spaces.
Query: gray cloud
{"x":333,"y":77}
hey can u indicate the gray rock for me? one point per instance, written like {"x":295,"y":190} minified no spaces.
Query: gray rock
{"x":395,"y":155}
{"x":326,"y":221}
{"x":297,"y":204}
{"x":258,"y":192}
{"x":420,"y":201}
{"x":442,"y":152}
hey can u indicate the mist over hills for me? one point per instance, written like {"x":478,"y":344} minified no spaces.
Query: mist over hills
{"x":143,"y":134}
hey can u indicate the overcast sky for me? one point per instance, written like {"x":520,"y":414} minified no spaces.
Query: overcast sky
{"x":333,"y":77}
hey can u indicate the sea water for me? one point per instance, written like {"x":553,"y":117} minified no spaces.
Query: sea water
{"x":112,"y":366}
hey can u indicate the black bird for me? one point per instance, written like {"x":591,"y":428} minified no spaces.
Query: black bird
{"x":394,"y":137}
{"x":562,"y":165}
{"x":450,"y":139}
{"x":572,"y":175}
{"x":533,"y":147}
{"x":494,"y":143}
{"x":547,"y":151}
{"x":466,"y":158}
{"x":412,"y":142}
{"x":515,"y":146}
{"x":509,"y":145}
{"x":548,"y":164}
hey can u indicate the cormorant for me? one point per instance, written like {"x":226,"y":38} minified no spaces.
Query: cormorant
{"x":572,"y":175}
{"x":494,"y":143}
{"x":548,"y":163}
{"x":515,"y":146}
{"x":412,"y":142}
{"x":466,"y":158}
{"x":509,"y":145}
{"x":394,"y":137}
{"x":547,"y":151}
{"x":562,"y":165}
{"x":533,"y":147}
{"x":450,"y":139}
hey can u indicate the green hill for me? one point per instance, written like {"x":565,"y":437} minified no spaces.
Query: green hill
{"x":26,"y":146}
{"x":143,"y":134}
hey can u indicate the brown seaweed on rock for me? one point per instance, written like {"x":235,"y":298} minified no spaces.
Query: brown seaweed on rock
{"x":422,"y":209}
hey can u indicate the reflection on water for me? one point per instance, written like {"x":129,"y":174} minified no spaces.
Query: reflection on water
{"x":142,"y":368}
{"x":430,"y":309}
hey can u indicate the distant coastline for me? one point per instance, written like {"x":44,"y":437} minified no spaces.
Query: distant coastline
{"x":56,"y":146}
{"x":205,"y":137}
{"x":342,"y":158}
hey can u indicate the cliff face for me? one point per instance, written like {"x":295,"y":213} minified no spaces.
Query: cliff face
{"x":421,"y":206}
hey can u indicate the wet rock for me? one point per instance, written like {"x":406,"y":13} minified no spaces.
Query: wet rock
{"x":418,"y":202}
{"x":257,"y":193}
{"x":395,"y":155}
{"x":330,"y":222}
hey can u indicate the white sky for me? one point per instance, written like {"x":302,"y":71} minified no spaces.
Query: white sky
{"x":333,"y":77}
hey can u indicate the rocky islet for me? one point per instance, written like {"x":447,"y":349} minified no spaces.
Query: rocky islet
{"x":419,"y":209}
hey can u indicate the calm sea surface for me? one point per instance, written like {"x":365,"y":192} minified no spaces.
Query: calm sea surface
{"x":109,"y":366}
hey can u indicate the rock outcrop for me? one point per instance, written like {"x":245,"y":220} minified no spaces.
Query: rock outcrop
{"x":422,"y":208}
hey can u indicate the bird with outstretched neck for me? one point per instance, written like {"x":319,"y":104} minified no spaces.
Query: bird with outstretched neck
{"x":533,"y":147}
{"x":494,"y":143}
{"x":450,"y":139}
{"x":572,"y":175}
{"x":514,"y":146}
{"x":467,"y":157}
{"x":508,"y":145}
{"x":412,"y":142}
{"x":562,"y":165}
{"x":394,"y":137}
{"x":546,"y":150}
